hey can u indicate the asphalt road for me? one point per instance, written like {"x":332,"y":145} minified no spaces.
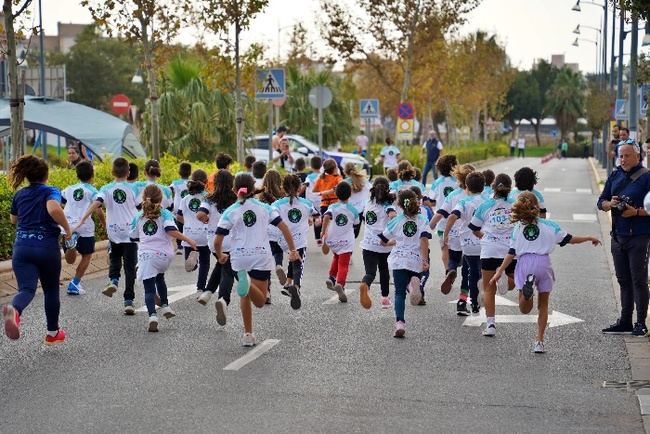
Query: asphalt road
{"x":336,"y":367}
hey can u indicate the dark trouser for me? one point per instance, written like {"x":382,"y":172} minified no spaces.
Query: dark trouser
{"x":296,"y":268}
{"x":429,"y":166}
{"x":204,"y":265}
{"x":424,"y":276}
{"x":151,"y":286}
{"x":520,"y":152}
{"x":277,"y":252}
{"x":401,"y":279}
{"x":128,"y":252}
{"x":179,"y":225}
{"x":455,"y":259}
{"x":512,"y":151}
{"x":31,"y":264}
{"x":473,"y":275}
{"x":373,"y":261}
{"x":317,"y":229}
{"x":630,"y":255}
{"x":223,"y":277}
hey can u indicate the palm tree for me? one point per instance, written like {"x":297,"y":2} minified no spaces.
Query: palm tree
{"x":566,"y":99}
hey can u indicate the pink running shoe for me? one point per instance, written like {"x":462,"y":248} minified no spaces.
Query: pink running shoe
{"x":12,"y":321}
{"x":399,"y":329}
{"x":56,"y":339}
{"x":386,"y":303}
{"x":415,"y":293}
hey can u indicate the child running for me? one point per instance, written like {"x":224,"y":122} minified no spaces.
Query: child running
{"x":316,"y":163}
{"x":77,"y":198}
{"x":406,"y":178}
{"x":378,"y":211}
{"x":296,"y":212}
{"x":36,"y":211}
{"x":491,"y":223}
{"x":325,"y":185}
{"x":525,"y":180}
{"x":153,"y":172}
{"x":407,"y":259}
{"x":360,"y":190}
{"x":428,"y":214}
{"x":246,"y":222}
{"x":533,"y":240}
{"x":488,"y":174}
{"x":272,"y":191}
{"x":178,"y":188}
{"x":339,"y":238}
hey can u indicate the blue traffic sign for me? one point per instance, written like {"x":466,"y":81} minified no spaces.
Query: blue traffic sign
{"x":643,"y":101}
{"x":270,"y":84}
{"x":369,"y":108}
{"x":405,"y":110}
{"x":620,"y":110}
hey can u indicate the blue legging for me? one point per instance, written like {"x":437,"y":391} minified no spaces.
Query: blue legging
{"x":401,"y":278}
{"x":151,"y":286}
{"x":31,"y":264}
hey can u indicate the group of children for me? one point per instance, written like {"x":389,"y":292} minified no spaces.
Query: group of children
{"x":250,"y":220}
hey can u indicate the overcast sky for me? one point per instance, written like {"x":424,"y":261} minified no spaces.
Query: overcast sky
{"x":529,"y":29}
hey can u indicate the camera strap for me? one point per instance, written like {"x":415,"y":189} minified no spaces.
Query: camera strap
{"x":630,"y":180}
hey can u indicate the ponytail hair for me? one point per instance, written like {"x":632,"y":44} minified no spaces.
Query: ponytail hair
{"x":405,"y":171}
{"x":29,"y":167}
{"x":408,"y":201}
{"x":222,"y":195}
{"x":380,"y":191}
{"x":525,"y":209}
{"x":502,"y":186}
{"x":357,"y":179}
{"x":461,"y":173}
{"x":291,"y":185}
{"x":152,"y":201}
{"x":197,"y":183}
{"x":152,"y":169}
{"x":244,"y":187}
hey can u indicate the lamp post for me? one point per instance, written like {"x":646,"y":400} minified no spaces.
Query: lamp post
{"x":41,"y":38}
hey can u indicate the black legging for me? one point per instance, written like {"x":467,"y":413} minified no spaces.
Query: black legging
{"x":318,"y":228}
{"x":373,"y":261}
{"x":223,"y":277}
{"x":296,"y":268}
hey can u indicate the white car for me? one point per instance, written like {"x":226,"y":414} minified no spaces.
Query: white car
{"x":301,"y":147}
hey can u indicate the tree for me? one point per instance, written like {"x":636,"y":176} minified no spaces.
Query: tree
{"x":639,"y":7}
{"x":566,"y":99}
{"x":597,"y":107}
{"x":543,"y":76}
{"x":522,"y":96}
{"x":148,"y":23}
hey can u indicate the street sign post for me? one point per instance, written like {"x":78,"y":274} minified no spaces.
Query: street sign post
{"x":320,"y":97}
{"x":405,"y":110}
{"x":270,"y":86}
{"x":120,"y":104}
{"x":368,"y":111}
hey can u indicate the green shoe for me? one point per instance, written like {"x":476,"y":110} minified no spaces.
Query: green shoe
{"x":242,"y":283}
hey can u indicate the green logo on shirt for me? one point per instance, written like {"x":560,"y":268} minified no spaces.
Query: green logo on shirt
{"x":341,"y":220}
{"x":184,"y":193}
{"x":194,"y":204}
{"x":249,"y":218}
{"x":119,"y":196}
{"x":531,"y":232}
{"x":447,"y":190}
{"x":150,"y":227}
{"x":410,"y":229}
{"x":294,"y":215}
{"x":78,"y":194}
{"x":371,"y":218}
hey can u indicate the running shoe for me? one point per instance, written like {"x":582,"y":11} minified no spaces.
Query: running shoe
{"x":167,"y":311}
{"x":205,"y":297}
{"x":618,"y":328}
{"x":539,"y":348}
{"x":364,"y":296}
{"x":129,"y":309}
{"x":386,"y":303}
{"x":242,"y":283}
{"x":415,"y":295}
{"x":400,"y":329}
{"x":422,"y":303}
{"x":461,"y":308}
{"x":109,"y":289}
{"x":282,"y":276}
{"x":529,"y":287}
{"x":71,"y":244}
{"x":192,"y":261}
{"x":248,"y":340}
{"x":319,"y":243}
{"x":639,"y":330}
{"x":294,"y":293}
{"x":156,"y":299}
{"x":58,"y":338}
{"x":325,"y":248}
{"x":70,"y":256}
{"x":502,"y":284}
{"x":153,"y":323}
{"x":221,"y":308}
{"x":268,"y":299}
{"x":476,"y":308}
{"x":329,"y":283}
{"x":448,"y":283}
{"x":490,"y":331}
{"x":12,"y":321}
{"x":343,"y":298}
{"x":75,"y":289}
{"x":179,"y":251}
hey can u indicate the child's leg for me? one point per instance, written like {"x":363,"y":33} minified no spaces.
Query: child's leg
{"x":26,"y":272}
{"x":161,"y":287}
{"x":542,"y":317}
{"x":115,"y":261}
{"x":49,"y":273}
{"x":464,"y":282}
{"x":474,"y":274}
{"x":227,"y":281}
{"x":454,"y":260}
{"x":258,"y":290}
{"x":370,"y":264}
{"x":343,"y":267}
{"x":525,"y":306}
{"x":384,"y":274}
{"x":489,"y":293}
{"x":334,"y":267}
{"x":424,"y":276}
{"x":204,"y":267}
{"x":130,"y":261}
{"x":215,"y":278}
{"x":150,"y":294}
{"x":278,"y":254}
{"x":296,"y":268}
{"x":179,"y":225}
{"x":83,"y":266}
{"x":401,"y":279}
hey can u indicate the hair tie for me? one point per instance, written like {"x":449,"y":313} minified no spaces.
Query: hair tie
{"x":242,"y":191}
{"x":407,"y":202}
{"x":499,"y":185}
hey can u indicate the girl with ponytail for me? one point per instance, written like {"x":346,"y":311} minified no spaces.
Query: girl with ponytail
{"x":153,"y":172}
{"x":406,"y":178}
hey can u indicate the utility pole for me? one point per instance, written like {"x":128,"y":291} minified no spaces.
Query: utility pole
{"x":633,"y":87}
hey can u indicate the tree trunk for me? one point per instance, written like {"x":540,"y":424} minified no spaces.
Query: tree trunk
{"x":153,"y":92}
{"x":16,"y":95}
{"x":239,"y":110}
{"x":476,"y":128}
{"x":406,"y":84}
{"x":536,"y":124}
{"x":485,"y":124}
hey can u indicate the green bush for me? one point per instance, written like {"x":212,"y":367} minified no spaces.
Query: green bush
{"x":63,"y":177}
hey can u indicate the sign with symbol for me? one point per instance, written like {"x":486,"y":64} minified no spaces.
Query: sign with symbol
{"x":405,"y":111}
{"x":120,"y":104}
{"x":405,"y":129}
{"x":555,"y":319}
{"x":320,"y":97}
{"x":643,"y":101}
{"x":270,"y":84}
{"x":369,"y":108}
{"x":620,"y":110}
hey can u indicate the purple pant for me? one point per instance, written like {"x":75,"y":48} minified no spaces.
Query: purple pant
{"x":540,"y":266}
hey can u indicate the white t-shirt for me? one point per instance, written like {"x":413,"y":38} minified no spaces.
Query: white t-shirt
{"x":359,"y":199}
{"x":295,"y":213}
{"x":309,"y":191}
{"x":362,"y":141}
{"x":390,"y":154}
{"x":247,"y":223}
{"x":213,"y":222}
{"x":77,"y":198}
{"x":406,"y":231}
{"x":515,"y":193}
{"x":376,"y":218}
{"x":340,"y":231}
{"x":192,"y":227}
{"x":283,"y":161}
{"x":151,"y":235}
{"x":399,"y":185}
{"x":539,"y":238}
{"x":521,"y":143}
{"x":470,"y":244}
{"x":179,"y":190}
{"x":492,"y":217}
{"x":439,"y":190}
{"x":121,"y":200}
{"x":447,"y":207}
{"x":167,"y":202}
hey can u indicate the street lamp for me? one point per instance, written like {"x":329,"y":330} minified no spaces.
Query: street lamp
{"x":137,"y":78}
{"x":577,"y":29}
{"x":576,"y":7}
{"x":576,"y":44}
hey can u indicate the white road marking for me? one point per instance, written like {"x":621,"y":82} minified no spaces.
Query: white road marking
{"x":583,"y":190}
{"x":498,"y":301}
{"x":585,"y":217}
{"x":552,"y":190}
{"x":175,"y":293}
{"x":252,"y":355}
{"x":554,"y":320}
{"x":335,"y":299}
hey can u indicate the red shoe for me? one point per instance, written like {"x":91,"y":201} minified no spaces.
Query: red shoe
{"x":56,"y":339}
{"x":12,"y":321}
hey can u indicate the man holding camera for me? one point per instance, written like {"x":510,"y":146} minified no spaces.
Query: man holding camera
{"x":623,"y":195}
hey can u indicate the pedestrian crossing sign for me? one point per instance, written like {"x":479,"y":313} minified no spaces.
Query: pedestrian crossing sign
{"x":643,"y":100}
{"x":369,"y":108}
{"x":620,"y":110}
{"x":270,"y":84}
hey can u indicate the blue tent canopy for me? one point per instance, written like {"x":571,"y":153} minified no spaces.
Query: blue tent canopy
{"x":100,"y":132}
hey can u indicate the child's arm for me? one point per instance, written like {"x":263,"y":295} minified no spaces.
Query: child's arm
{"x":506,"y":261}
{"x":450,"y":223}
{"x":91,"y":209}
{"x":424,"y":252}
{"x":293,"y":253}
{"x":100,"y":215}
{"x":13,"y":218}
{"x":576,"y":239}
{"x":201,"y":216}
{"x":218,"y":243}
{"x":434,"y":221}
{"x":179,"y":218}
{"x":56,"y":212}
{"x":326,"y":223}
{"x":179,"y":236}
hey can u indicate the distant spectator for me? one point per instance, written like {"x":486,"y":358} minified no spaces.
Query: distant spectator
{"x":279,"y":134}
{"x":564,"y":149}
{"x":433,"y":148}
{"x":521,"y":147}
{"x":282,"y":156}
{"x":513,"y":146}
{"x":259,"y":170}
{"x":74,"y":156}
{"x":362,"y":143}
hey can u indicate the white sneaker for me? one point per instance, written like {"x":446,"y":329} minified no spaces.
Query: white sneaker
{"x":248,"y":340}
{"x":539,"y":347}
{"x":192,"y":261}
{"x":153,"y":323}
{"x":167,"y":311}
{"x":204,"y":298}
{"x":502,"y":284}
{"x":221,"y":307}
{"x":490,"y":330}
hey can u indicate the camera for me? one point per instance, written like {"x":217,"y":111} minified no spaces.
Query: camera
{"x":623,"y":201}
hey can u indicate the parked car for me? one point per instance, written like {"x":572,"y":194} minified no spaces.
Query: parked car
{"x":258,"y":146}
